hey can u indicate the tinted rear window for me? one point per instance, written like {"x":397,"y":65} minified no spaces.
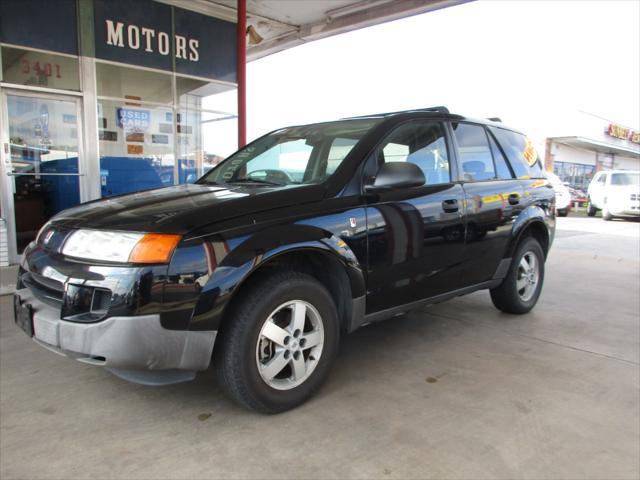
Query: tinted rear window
{"x":520,"y":152}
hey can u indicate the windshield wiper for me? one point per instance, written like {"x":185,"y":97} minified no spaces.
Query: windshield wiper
{"x":256,"y":180}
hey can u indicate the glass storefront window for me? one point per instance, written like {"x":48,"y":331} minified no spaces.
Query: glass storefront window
{"x":133,"y":84}
{"x":136,"y":147}
{"x":151,"y":139}
{"x":206,"y":127}
{"x":207,"y":95}
{"x":576,"y":175}
{"x":205,"y":139}
{"x":41,"y":69}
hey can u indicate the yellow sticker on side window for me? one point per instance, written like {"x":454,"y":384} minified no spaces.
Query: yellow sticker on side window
{"x":529,"y":154}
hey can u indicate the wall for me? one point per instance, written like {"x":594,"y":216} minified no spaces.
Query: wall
{"x":563,"y":153}
{"x":627,"y":163}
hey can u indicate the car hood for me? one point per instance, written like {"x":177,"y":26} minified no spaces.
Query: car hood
{"x":183,"y":208}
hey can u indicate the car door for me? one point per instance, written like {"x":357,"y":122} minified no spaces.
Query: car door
{"x":415,"y":235}
{"x":493,"y":199}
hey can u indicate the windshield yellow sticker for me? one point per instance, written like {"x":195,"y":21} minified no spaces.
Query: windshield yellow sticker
{"x":529,"y":153}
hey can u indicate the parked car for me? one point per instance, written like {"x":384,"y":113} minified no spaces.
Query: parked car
{"x":577,"y":194}
{"x":563,"y":195}
{"x":616,"y":193}
{"x":260,"y":271}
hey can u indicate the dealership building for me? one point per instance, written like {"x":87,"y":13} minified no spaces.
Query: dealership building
{"x":103,"y":97}
{"x":601,"y":145}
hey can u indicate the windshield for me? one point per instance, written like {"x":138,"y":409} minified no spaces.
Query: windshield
{"x":625,"y":179}
{"x":292,"y":156}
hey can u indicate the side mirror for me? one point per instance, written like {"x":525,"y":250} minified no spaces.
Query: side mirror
{"x":397,"y":175}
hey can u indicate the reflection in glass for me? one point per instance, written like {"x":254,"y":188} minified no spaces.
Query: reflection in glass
{"x":43,"y":146}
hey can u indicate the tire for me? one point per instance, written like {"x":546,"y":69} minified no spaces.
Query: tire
{"x":509,"y":296}
{"x":266,"y":309}
{"x":591,"y":210}
{"x":563,"y":212}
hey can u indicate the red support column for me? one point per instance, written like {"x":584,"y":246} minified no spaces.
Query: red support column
{"x":241,"y":35}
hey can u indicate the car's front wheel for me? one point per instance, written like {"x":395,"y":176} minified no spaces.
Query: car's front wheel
{"x":519,"y":291}
{"x":591,"y":210}
{"x":279,"y":342}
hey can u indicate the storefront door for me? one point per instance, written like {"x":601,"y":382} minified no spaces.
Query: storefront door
{"x":41,"y":162}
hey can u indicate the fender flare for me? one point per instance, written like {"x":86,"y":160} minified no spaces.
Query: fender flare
{"x":532,"y":215}
{"x":259,"y":249}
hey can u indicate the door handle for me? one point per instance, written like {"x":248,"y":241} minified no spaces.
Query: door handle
{"x":450,"y":206}
{"x":514,"y":199}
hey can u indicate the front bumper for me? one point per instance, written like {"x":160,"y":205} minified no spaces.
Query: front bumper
{"x":107,"y":316}
{"x":136,"y":348}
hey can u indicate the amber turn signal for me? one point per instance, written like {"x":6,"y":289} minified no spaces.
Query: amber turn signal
{"x":154,"y":248}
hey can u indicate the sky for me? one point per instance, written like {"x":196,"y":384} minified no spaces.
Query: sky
{"x":538,"y":65}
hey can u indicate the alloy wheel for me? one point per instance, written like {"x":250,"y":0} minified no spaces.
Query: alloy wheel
{"x":528,"y":276}
{"x":290,"y":345}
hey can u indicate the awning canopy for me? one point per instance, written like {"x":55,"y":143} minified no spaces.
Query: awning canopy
{"x":598,"y":146}
{"x":282,"y":24}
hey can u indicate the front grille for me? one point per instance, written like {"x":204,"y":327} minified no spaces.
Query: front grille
{"x":85,"y":304}
{"x":45,"y":289}
{"x":635,"y":197}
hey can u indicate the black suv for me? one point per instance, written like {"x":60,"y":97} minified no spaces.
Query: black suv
{"x":307,"y":233}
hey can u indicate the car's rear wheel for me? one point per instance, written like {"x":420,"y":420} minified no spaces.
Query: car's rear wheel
{"x":279,"y":342}
{"x":519,"y":291}
{"x":563,"y":212}
{"x":591,"y":210}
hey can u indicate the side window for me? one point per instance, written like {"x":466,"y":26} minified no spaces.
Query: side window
{"x":475,"y":153}
{"x":421,"y":142}
{"x":395,"y":152}
{"x":502,"y":167}
{"x":340,"y":148}
{"x":520,"y":152}
{"x":602,"y":179}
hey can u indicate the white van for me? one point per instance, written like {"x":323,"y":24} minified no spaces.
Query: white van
{"x":616,"y":193}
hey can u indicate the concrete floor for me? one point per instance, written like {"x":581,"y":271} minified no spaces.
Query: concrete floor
{"x":456,"y":391}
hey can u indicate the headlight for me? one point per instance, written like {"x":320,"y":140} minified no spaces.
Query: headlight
{"x":126,"y":247}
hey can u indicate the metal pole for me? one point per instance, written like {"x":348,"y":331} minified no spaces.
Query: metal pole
{"x":241,"y":34}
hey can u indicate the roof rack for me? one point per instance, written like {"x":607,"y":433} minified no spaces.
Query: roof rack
{"x":440,"y":109}
{"x":495,"y":119}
